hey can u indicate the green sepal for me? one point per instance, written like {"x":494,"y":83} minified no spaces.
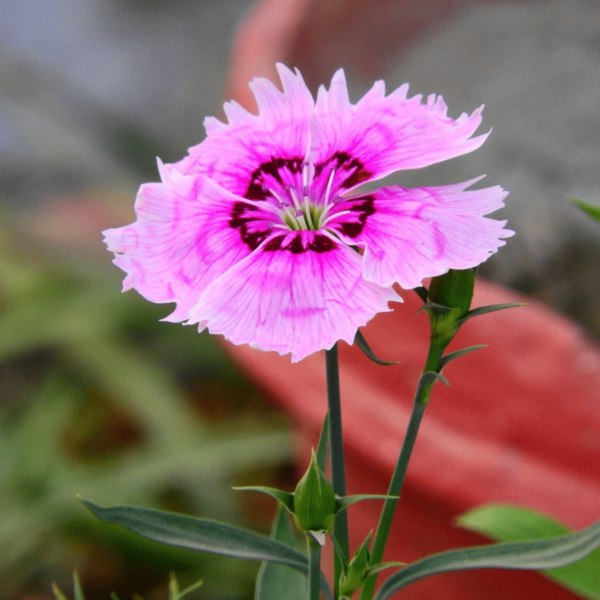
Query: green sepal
{"x":204,"y":535}
{"x":536,"y":555}
{"x":421,"y":292}
{"x":483,"y":310}
{"x":285,"y":498}
{"x":453,"y":289}
{"x":346,"y":501}
{"x":458,"y":353}
{"x":323,"y":445}
{"x":590,"y":209}
{"x":360,"y":341}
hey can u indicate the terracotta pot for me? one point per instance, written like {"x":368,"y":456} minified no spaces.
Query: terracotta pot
{"x":520,"y":423}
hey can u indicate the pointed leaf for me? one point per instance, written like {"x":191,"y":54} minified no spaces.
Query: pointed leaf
{"x":202,"y":534}
{"x":77,"y":589}
{"x":483,"y":310}
{"x":437,"y":308}
{"x":429,"y":378}
{"x":323,"y":446}
{"x":58,"y":595}
{"x":511,"y":524}
{"x":383,"y":566}
{"x":539,"y":554}
{"x":346,"y":501}
{"x":591,"y":209}
{"x":285,"y":498}
{"x":278,"y":582}
{"x":453,"y":355}
{"x":360,"y":341}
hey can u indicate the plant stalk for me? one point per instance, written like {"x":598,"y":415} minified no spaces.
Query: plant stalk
{"x":421,"y":399}
{"x":336,"y":446}
{"x":314,"y":567}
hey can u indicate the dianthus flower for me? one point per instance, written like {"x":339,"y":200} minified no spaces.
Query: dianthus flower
{"x":257,"y":233}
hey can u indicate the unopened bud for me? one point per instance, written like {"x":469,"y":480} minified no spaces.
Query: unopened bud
{"x":314,"y":500}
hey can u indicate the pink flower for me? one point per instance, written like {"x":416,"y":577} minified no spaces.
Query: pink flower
{"x":254,"y":234}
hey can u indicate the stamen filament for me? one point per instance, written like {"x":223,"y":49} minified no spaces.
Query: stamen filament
{"x":328,"y":219}
{"x":307,"y":213}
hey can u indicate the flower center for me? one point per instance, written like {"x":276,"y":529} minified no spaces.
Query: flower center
{"x":297,"y":210}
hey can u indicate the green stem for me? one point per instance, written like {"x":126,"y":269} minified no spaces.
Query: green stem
{"x":336,"y":445}
{"x":421,"y":399}
{"x":314,"y":567}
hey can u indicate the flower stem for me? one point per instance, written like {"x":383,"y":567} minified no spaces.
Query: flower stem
{"x":314,"y":567}
{"x":336,"y":445}
{"x":421,"y":399}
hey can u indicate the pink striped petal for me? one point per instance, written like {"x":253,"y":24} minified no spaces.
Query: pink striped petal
{"x":299,"y":292}
{"x":256,"y":151}
{"x":188,"y":232}
{"x":380,"y":135}
{"x":410,"y":234}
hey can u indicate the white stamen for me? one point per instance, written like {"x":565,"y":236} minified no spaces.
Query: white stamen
{"x":329,"y":184}
{"x":307,"y":212}
{"x":344,"y":212}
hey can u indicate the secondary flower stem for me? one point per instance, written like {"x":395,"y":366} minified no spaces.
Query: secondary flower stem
{"x":387,"y":514}
{"x":314,"y":567}
{"x":336,"y":446}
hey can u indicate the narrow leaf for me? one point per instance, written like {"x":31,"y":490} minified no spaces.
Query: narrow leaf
{"x":383,"y":566}
{"x":429,"y":378}
{"x":346,"y":501}
{"x":278,"y":582}
{"x":285,"y":498}
{"x":453,"y":355}
{"x":483,"y":310}
{"x":323,"y":446}
{"x":202,"y":534}
{"x":591,"y":209}
{"x":360,"y":341}
{"x":438,"y":308}
{"x":58,"y":595}
{"x":539,"y":554}
{"x":512,"y":524}
{"x":77,"y":589}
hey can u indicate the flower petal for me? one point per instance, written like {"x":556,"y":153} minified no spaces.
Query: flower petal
{"x":299,"y":292}
{"x":188,"y":232}
{"x":380,"y":135}
{"x":410,"y":234}
{"x":253,"y":151}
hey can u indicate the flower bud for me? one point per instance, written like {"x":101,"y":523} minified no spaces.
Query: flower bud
{"x":356,"y":572}
{"x":452,"y":291}
{"x":314,"y":500}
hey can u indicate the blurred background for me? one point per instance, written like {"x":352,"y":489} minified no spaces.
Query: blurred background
{"x":96,"y":396}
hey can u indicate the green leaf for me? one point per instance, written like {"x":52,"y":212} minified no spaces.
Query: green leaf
{"x":436,"y":308}
{"x":175,"y":593}
{"x":458,"y":353}
{"x":513,"y":524}
{"x":58,"y":595}
{"x":285,"y":498}
{"x":360,"y":341}
{"x":278,"y":582}
{"x":77,"y":589}
{"x":483,"y":310}
{"x":539,"y":554}
{"x":591,"y":209}
{"x":323,"y":446}
{"x":202,"y":534}
{"x":346,"y":501}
